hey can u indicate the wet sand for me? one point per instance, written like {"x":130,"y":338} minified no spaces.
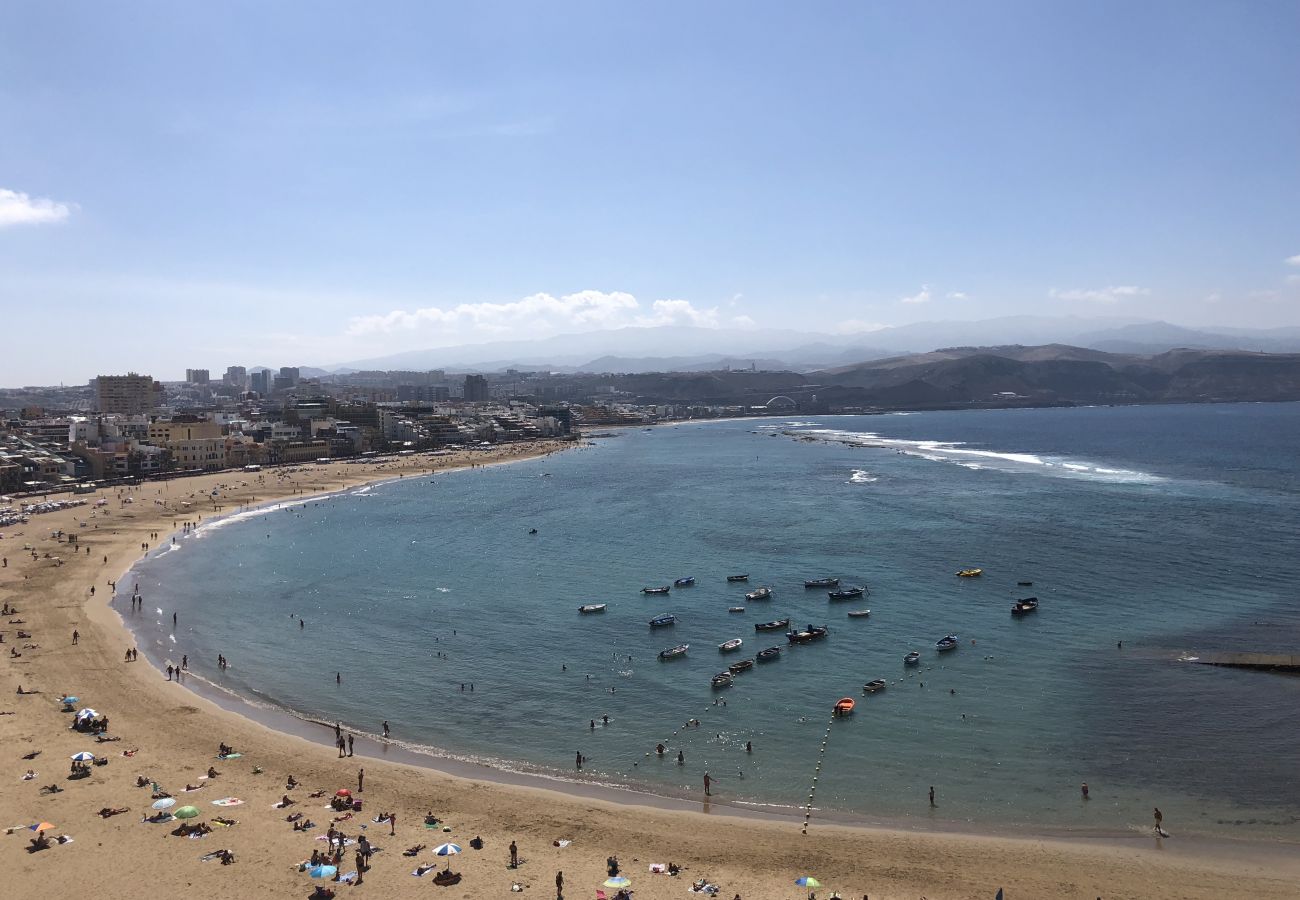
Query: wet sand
{"x":177,"y":731}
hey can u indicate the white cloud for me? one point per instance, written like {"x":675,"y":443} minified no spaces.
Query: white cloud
{"x":539,"y":314}
{"x":1293,"y":260}
{"x":923,"y":296}
{"x":17,"y":208}
{"x":742,"y":322}
{"x":1099,"y":295}
{"x":1293,"y":279}
{"x":956,"y":295}
{"x":858,"y":326}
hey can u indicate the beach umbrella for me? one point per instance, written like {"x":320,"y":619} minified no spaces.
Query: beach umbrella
{"x":83,"y":756}
{"x":87,"y":713}
{"x":40,"y":826}
{"x":186,"y":812}
{"x":618,"y":881}
{"x":164,"y":803}
{"x":807,"y":881}
{"x":342,"y":792}
{"x":447,"y":850}
{"x":322,"y":871}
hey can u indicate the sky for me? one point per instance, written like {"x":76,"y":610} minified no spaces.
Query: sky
{"x":308,"y":183}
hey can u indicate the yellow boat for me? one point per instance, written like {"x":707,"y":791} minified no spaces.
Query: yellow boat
{"x":970,"y":573}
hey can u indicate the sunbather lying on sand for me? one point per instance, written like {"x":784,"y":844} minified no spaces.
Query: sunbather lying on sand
{"x":51,"y":789}
{"x":114,"y":811}
{"x":414,"y":851}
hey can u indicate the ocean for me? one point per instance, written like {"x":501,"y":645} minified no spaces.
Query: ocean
{"x":1173,"y":530}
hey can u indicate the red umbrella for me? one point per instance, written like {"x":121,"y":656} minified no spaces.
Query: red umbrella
{"x":342,"y":792}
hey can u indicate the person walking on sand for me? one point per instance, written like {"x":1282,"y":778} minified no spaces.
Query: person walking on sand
{"x":514,"y":855}
{"x":708,"y":782}
{"x":75,"y":637}
{"x":392,"y":824}
{"x":559,"y":885}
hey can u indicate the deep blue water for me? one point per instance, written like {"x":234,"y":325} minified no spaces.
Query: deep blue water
{"x":1170,"y":528}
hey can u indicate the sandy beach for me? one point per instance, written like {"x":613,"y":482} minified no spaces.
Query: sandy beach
{"x":172,"y":735}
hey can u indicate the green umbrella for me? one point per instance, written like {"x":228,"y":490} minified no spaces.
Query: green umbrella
{"x":186,"y":812}
{"x":807,"y":881}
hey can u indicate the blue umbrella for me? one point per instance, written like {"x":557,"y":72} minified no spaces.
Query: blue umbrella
{"x":322,"y":871}
{"x":617,"y":881}
{"x":447,"y":850}
{"x":83,"y":756}
{"x":807,"y":881}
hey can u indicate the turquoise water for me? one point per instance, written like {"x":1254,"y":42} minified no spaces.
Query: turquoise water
{"x":1172,"y":529}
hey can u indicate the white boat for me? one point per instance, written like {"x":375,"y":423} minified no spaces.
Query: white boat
{"x":593,"y":608}
{"x":721,"y":680}
{"x":762,"y":593}
{"x":872,"y":686}
{"x":948,"y":642}
{"x":735,"y":609}
{"x":661,"y":620}
{"x":912,"y":659}
{"x":728,"y":646}
{"x":859,"y":613}
{"x":674,"y":652}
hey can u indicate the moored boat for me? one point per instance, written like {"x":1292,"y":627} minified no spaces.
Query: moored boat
{"x":674,"y":652}
{"x":762,"y":593}
{"x":684,"y":582}
{"x":912,"y":659}
{"x":728,"y":646}
{"x":821,"y":582}
{"x":1025,"y":583}
{"x":664,"y":619}
{"x":738,"y":577}
{"x":847,"y":593}
{"x":1028,"y":605}
{"x":593,"y":608}
{"x":948,"y":642}
{"x":844,"y":706}
{"x":872,"y":686}
{"x":735,"y":609}
{"x":721,"y":680}
{"x":655,"y":590}
{"x":743,"y":666}
{"x":774,"y":625}
{"x":769,"y":654}
{"x":970,"y":573}
{"x":859,"y":613}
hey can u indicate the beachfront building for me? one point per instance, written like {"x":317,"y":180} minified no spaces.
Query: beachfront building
{"x":128,"y":395}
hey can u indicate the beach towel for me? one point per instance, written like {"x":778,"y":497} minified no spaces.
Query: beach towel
{"x":562,"y":843}
{"x":228,"y":801}
{"x":658,"y":868}
{"x":230,"y":756}
{"x":209,"y":857}
{"x":348,"y":878}
{"x":421,"y":870}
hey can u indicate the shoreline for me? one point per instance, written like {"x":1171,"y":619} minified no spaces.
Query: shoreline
{"x":747,"y":853}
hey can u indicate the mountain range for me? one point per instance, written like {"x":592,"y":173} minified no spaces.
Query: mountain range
{"x":692,"y":349}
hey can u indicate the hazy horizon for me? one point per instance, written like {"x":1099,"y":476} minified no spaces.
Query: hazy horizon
{"x":312,"y":184}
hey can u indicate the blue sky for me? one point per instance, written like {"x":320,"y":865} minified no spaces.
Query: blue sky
{"x":277,"y":183}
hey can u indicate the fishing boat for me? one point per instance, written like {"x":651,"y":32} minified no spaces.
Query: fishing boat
{"x":818,"y":631}
{"x":970,"y":573}
{"x":1028,"y":605}
{"x":774,"y":625}
{"x":655,"y":590}
{"x":912,"y":659}
{"x":674,"y":652}
{"x":743,"y":666}
{"x":735,"y":609}
{"x":684,"y":582}
{"x":738,"y":578}
{"x":948,"y":642}
{"x":859,"y":613}
{"x":799,"y":637}
{"x":844,"y":706}
{"x":762,"y":593}
{"x":872,"y":686}
{"x":665,"y":619}
{"x":592,"y":608}
{"x":721,"y":680}
{"x":821,"y":582}
{"x":847,"y":593}
{"x":728,"y":646}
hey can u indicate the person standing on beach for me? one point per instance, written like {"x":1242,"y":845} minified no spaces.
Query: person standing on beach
{"x":514,"y":856}
{"x":342,"y":748}
{"x":559,"y":885}
{"x":361,"y":780}
{"x":708,"y":782}
{"x":392,"y":824}
{"x":75,"y":637}
{"x":578,"y":760}
{"x":385,"y":729}
{"x":1160,"y":818}
{"x":350,"y":739}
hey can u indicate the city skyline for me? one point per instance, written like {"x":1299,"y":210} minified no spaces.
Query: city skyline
{"x":181,"y":189}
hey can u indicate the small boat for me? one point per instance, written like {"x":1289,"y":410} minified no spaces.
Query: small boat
{"x":799,"y":637}
{"x":684,"y":582}
{"x":774,"y":625}
{"x":592,"y":608}
{"x":821,"y":582}
{"x":912,"y":659}
{"x":970,"y":573}
{"x":762,"y":593}
{"x":674,"y":652}
{"x":721,"y":680}
{"x":743,"y":666}
{"x":859,"y":613}
{"x":872,"y":686}
{"x":665,"y":619}
{"x":655,"y":590}
{"x":1028,"y":605}
{"x":844,"y":706}
{"x":818,"y":631}
{"x":769,"y":654}
{"x":1025,"y":583}
{"x":847,"y":593}
{"x":949,"y":642}
{"x":728,"y":646}
{"x":735,"y":609}
{"x":738,"y":578}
